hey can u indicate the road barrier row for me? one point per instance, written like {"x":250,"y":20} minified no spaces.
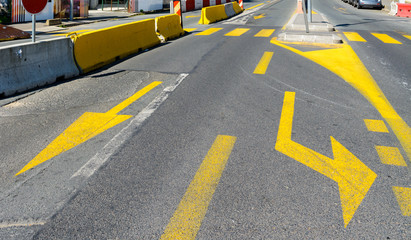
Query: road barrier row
{"x":191,"y":5}
{"x":34,"y":65}
{"x":98,"y":48}
{"x":219,"y":12}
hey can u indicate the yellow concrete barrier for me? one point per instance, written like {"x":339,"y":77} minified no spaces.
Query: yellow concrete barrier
{"x":95,"y":49}
{"x":212,"y":14}
{"x":169,"y":26}
{"x":237,"y":8}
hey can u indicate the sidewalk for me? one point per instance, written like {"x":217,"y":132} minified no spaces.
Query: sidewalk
{"x":320,"y":31}
{"x":94,"y":16}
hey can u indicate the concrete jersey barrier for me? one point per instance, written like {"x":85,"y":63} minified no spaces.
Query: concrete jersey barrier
{"x":219,"y":12}
{"x":35,"y":64}
{"x":169,"y":26}
{"x":95,"y":49}
{"x":212,"y":14}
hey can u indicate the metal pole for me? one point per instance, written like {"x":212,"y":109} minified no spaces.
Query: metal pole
{"x":33,"y":28}
{"x":71,"y":10}
{"x":309,"y":10}
{"x":181,"y":16}
{"x":307,"y":30}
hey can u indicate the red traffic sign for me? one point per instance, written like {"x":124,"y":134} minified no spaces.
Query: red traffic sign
{"x":34,"y":6}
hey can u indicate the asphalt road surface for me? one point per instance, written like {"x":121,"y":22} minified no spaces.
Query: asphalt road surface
{"x":225,"y":133}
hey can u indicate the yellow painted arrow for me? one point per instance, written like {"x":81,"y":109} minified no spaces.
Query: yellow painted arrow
{"x":259,"y":16}
{"x":344,"y":62}
{"x":353,"y":177}
{"x":86,"y":127}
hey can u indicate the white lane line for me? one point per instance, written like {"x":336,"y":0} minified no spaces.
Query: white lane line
{"x":88,"y":169}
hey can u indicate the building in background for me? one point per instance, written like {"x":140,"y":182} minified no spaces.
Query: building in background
{"x":12,"y":11}
{"x":54,"y":9}
{"x":5,"y":11}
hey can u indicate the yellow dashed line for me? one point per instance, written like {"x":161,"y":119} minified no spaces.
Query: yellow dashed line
{"x":265,"y":33}
{"x":190,"y":29}
{"x":237,"y":32}
{"x":209,"y":31}
{"x":187,"y":219}
{"x":390,"y":156}
{"x":354,"y":37}
{"x":385,"y":38}
{"x":375,"y":125}
{"x":263,"y":64}
{"x":403,"y":196}
{"x":407,"y":36}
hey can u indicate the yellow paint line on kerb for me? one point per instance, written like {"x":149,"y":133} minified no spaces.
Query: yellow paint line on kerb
{"x":354,"y":37}
{"x":385,"y":38}
{"x":390,"y":156}
{"x":209,"y":31}
{"x":375,"y":125}
{"x":403,"y":196}
{"x":195,"y":16}
{"x":237,"y":32}
{"x":265,"y":33}
{"x":264,"y":62}
{"x":192,"y":209}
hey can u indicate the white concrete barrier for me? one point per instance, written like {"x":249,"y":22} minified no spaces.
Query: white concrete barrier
{"x":394,"y":9}
{"x":30,"y":65}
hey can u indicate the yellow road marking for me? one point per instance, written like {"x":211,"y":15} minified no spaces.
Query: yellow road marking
{"x":407,"y":36}
{"x":385,"y":38}
{"x":195,"y":16}
{"x":254,"y":6}
{"x":259,"y":16}
{"x":390,"y":155}
{"x":190,"y":29}
{"x":84,"y":128}
{"x":264,"y":62}
{"x":354,"y":37}
{"x":187,"y":219}
{"x":265,"y":33}
{"x":353,"y":177}
{"x":133,"y":98}
{"x":345,"y":63}
{"x":343,"y":10}
{"x":237,"y":32}
{"x":403,"y":196}
{"x":375,"y":125}
{"x":209,"y":31}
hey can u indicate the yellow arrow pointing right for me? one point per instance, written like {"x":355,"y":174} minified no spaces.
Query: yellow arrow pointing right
{"x":353,"y":177}
{"x":344,"y":62}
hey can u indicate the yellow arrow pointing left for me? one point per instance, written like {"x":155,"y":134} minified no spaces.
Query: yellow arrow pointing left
{"x":353,"y":177}
{"x":259,"y":16}
{"x":86,"y":127}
